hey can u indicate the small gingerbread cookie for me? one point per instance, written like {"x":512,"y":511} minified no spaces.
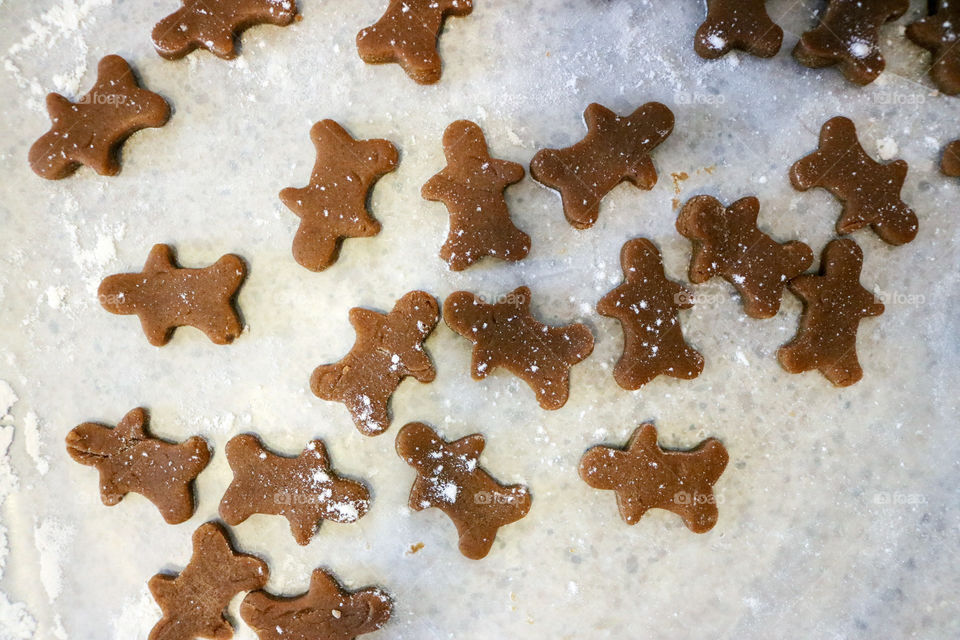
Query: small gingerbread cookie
{"x":615,"y":149}
{"x":304,"y":490}
{"x":848,"y":35}
{"x":645,"y":476}
{"x":646,"y":304}
{"x":91,"y":131}
{"x":870,"y":191}
{"x":325,"y":612}
{"x":472,"y":186}
{"x":727,"y":243}
{"x":129,"y":459}
{"x":194,"y":602}
{"x":389,"y":348}
{"x":950,"y":163}
{"x":938,"y":33}
{"x":738,"y":24}
{"x":165,"y":296}
{"x":834,"y":302}
{"x":216,"y":26}
{"x":333,"y":206}
{"x":506,"y":334}
{"x":407,"y":34}
{"x":450,"y":478}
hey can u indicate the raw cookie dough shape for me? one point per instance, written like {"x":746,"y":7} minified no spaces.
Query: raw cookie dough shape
{"x":165,"y":296}
{"x":91,"y":130}
{"x":834,"y":302}
{"x":407,"y":34}
{"x":304,"y":490}
{"x":939,"y":34}
{"x":727,"y":243}
{"x":129,"y":459}
{"x":848,"y":35}
{"x":870,"y":191}
{"x":645,"y":476}
{"x":472,"y":186}
{"x":950,"y":163}
{"x":325,"y":612}
{"x":646,"y":304}
{"x":506,"y":334}
{"x":388,"y":349}
{"x":193,"y":602}
{"x":333,"y":206}
{"x":450,"y":478}
{"x":615,"y":149}
{"x":737,"y":24}
{"x":216,"y":26}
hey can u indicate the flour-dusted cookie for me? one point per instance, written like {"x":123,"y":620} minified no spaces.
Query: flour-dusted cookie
{"x":737,"y":24}
{"x":194,"y":601}
{"x":727,"y":243}
{"x":646,"y":304}
{"x":216,"y":26}
{"x":615,"y":149}
{"x":407,"y":34}
{"x":165,"y":296}
{"x":130,"y":459}
{"x":834,"y":302}
{"x":950,"y":163}
{"x":848,"y":35}
{"x":325,"y":612}
{"x":645,"y":476}
{"x":505,"y":334}
{"x":304,"y":490}
{"x":388,"y":349}
{"x":333,"y":206}
{"x":91,"y":130}
{"x":870,"y":191}
{"x":450,"y":478}
{"x":939,"y":34}
{"x":471,"y":186}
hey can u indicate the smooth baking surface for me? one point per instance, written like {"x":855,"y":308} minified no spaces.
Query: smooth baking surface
{"x":839,"y":508}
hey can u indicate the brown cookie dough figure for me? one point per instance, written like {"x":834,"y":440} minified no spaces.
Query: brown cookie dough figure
{"x":939,"y":34}
{"x":216,"y":26}
{"x":646,"y":304}
{"x":615,"y":149}
{"x":90,"y":131}
{"x":645,"y":476}
{"x":193,"y":602}
{"x":870,"y":191}
{"x":388,"y":349}
{"x":950,"y":163}
{"x":449,"y":477}
{"x":304,"y":490}
{"x":165,"y":296}
{"x":737,"y":24}
{"x":848,"y":35}
{"x":727,"y":243}
{"x":834,"y":302}
{"x":471,"y":186}
{"x":129,"y":459}
{"x":407,"y":34}
{"x":333,"y":206}
{"x":507,"y":335}
{"x":325,"y":612}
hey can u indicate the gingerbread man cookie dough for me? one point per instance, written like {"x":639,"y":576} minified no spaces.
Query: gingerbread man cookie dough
{"x":738,"y":24}
{"x":645,"y":476}
{"x":615,"y":149}
{"x":130,"y":459}
{"x":165,"y":296}
{"x":950,"y":163}
{"x":450,"y":478}
{"x":472,"y":186}
{"x":939,"y":34}
{"x":91,"y":131}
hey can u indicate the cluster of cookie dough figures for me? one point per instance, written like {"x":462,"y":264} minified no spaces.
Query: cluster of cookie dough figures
{"x":726,"y":241}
